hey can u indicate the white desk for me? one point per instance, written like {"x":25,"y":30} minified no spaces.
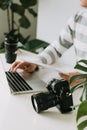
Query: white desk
{"x":17,"y":113}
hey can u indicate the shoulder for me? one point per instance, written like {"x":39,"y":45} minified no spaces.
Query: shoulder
{"x":82,"y":13}
{"x":78,"y":16}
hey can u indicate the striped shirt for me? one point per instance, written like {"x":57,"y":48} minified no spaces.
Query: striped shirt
{"x":74,"y":33}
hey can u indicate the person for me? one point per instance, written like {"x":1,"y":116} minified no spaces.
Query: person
{"x":74,"y":33}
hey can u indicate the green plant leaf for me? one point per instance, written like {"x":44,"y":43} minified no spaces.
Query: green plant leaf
{"x":24,"y":22}
{"x":82,"y":61}
{"x":82,"y":110}
{"x":31,"y":11}
{"x":82,"y":125}
{"x":2,"y":50}
{"x":86,"y":91}
{"x":81,"y":67}
{"x":13,"y":32}
{"x":4,"y":4}
{"x":78,"y":86}
{"x":18,"y":9}
{"x":26,"y":40}
{"x":35,"y":44}
{"x":76,"y":77}
{"x":83,"y":94}
{"x":22,"y":39}
{"x":28,"y":3}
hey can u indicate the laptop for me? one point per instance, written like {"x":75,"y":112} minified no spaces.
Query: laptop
{"x":30,"y":83}
{"x":20,"y":83}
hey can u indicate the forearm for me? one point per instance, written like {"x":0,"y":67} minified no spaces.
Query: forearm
{"x":49,"y":55}
{"x":55,"y":50}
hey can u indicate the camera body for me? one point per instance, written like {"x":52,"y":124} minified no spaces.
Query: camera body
{"x":58,"y":95}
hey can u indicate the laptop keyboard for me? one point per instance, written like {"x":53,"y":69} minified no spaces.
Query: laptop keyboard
{"x":16,"y":82}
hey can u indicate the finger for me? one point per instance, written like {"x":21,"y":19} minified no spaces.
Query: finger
{"x":29,"y":68}
{"x":18,"y":66}
{"x":64,"y":76}
{"x":13,"y":66}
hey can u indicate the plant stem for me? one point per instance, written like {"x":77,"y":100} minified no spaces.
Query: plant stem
{"x":8,"y":19}
{"x":17,"y":26}
{"x":75,"y":106}
{"x":12,"y":19}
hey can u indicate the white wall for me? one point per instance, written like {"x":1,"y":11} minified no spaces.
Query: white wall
{"x":52,"y":16}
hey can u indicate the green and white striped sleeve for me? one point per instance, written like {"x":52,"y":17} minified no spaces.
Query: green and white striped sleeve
{"x":57,"y":48}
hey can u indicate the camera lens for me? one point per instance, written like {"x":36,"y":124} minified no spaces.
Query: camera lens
{"x":58,"y":95}
{"x":43,"y":101}
{"x":35,"y":104}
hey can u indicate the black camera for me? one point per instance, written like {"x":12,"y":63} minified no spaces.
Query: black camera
{"x":58,"y":95}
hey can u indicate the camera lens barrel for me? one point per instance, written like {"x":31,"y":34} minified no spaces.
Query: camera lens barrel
{"x":43,"y":101}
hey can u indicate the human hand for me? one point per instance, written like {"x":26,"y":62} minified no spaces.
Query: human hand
{"x":67,"y":76}
{"x":25,"y":66}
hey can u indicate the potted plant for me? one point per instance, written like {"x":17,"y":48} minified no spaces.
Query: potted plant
{"x":82,"y":107}
{"x":20,"y":7}
{"x":14,"y":26}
